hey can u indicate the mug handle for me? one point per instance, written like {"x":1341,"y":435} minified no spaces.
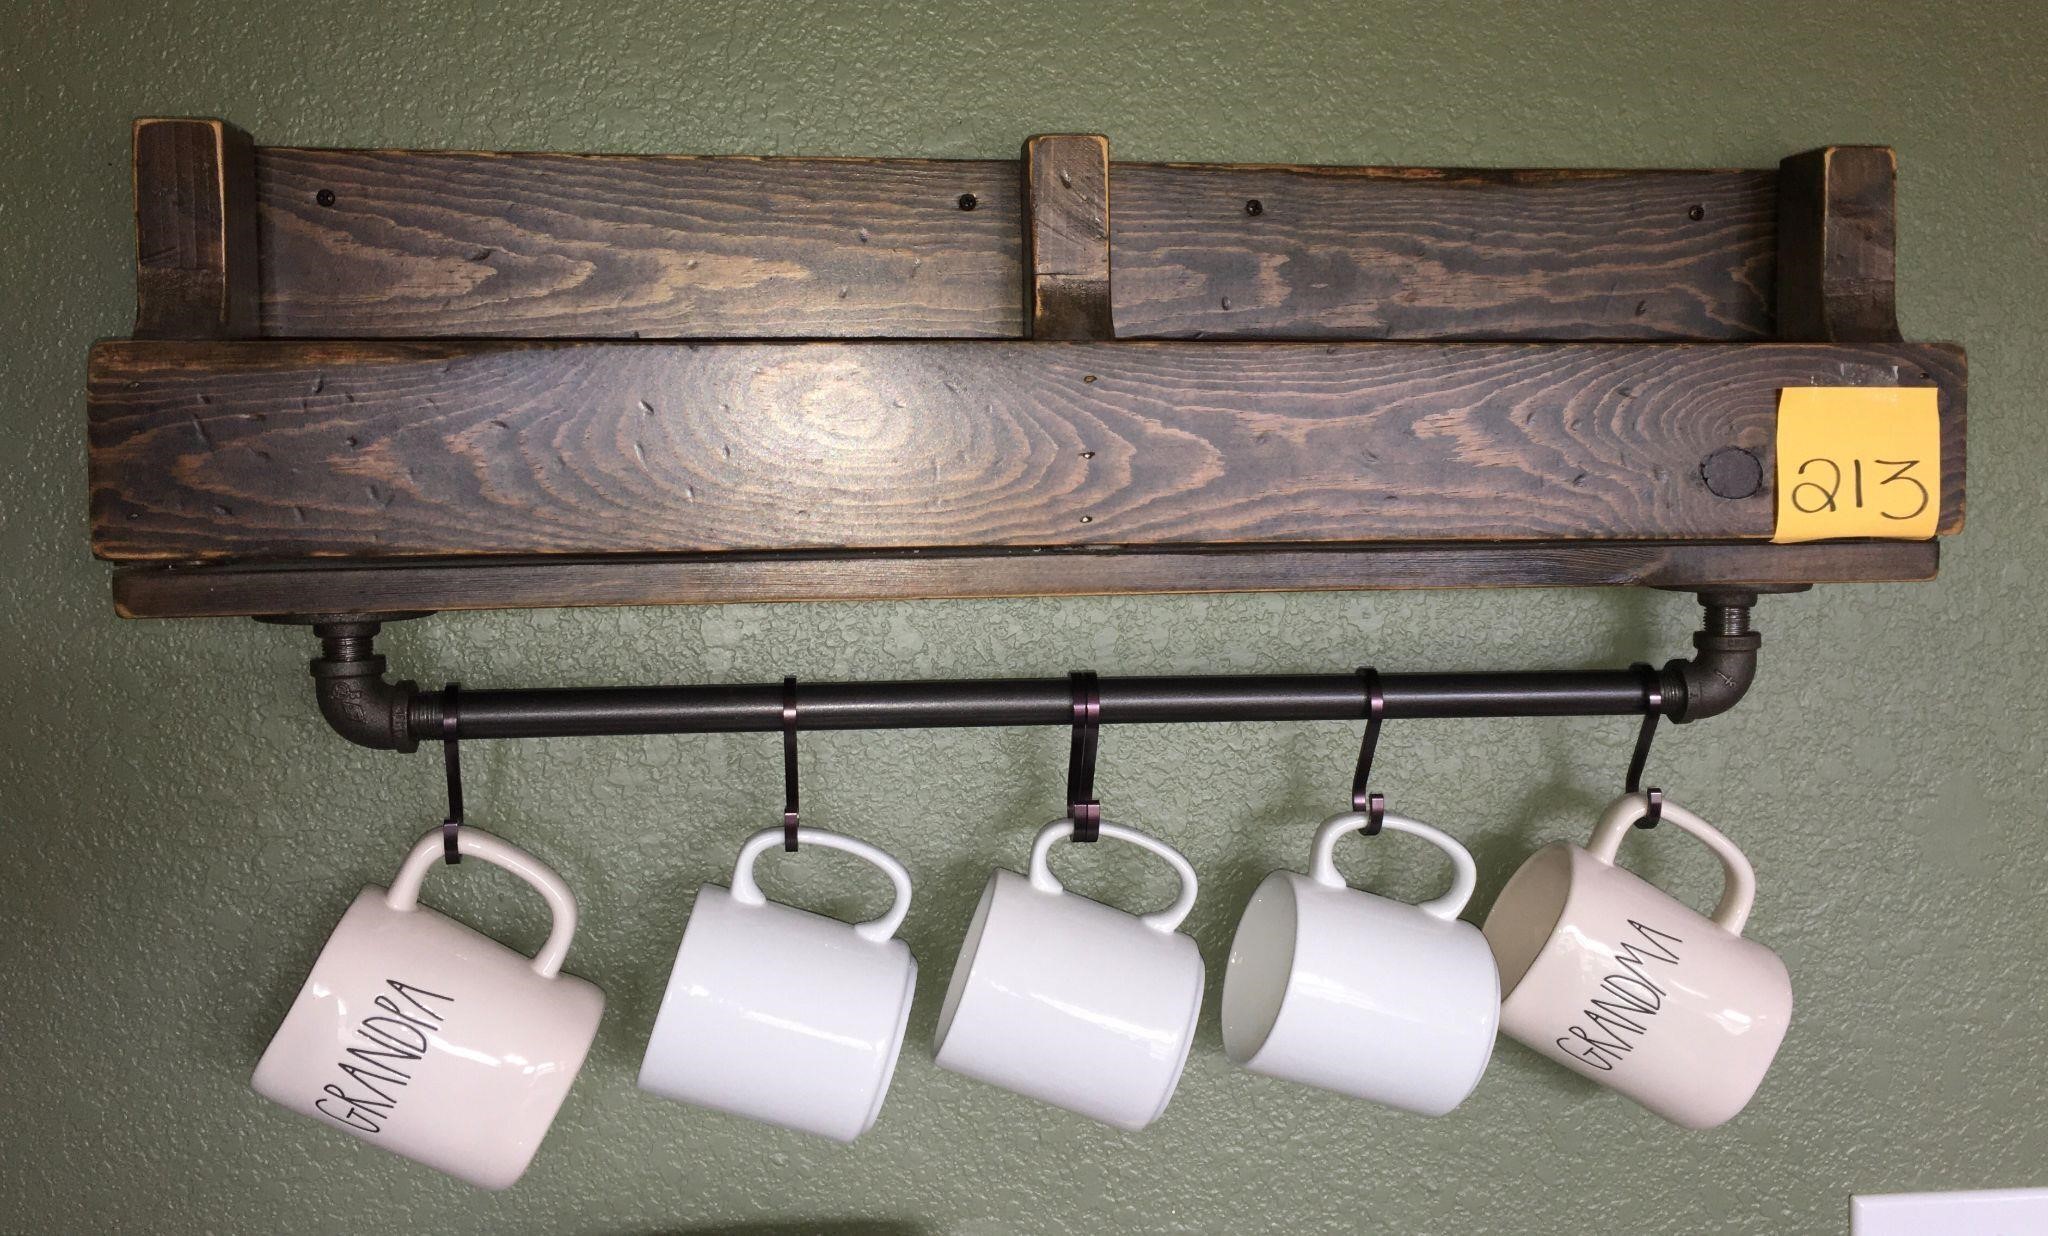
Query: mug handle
{"x":1738,"y":887}
{"x":748,"y":893}
{"x":404,"y":893}
{"x":1464,"y":872}
{"x":1165,"y":920}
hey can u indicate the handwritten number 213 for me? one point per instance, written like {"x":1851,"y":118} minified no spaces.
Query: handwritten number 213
{"x":1812,"y":497}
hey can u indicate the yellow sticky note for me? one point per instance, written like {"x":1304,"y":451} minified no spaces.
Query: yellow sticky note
{"x":1858,"y":461}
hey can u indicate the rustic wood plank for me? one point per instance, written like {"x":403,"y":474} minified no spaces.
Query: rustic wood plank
{"x":1245,"y":252}
{"x":374,"y":450}
{"x":435,"y":243}
{"x":244,"y":591}
{"x":450,"y":243}
{"x":1837,"y":242}
{"x":195,"y":230}
{"x":1066,"y":236}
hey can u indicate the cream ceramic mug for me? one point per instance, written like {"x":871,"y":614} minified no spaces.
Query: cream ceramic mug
{"x":1335,"y":987}
{"x":434,"y":1041}
{"x":781,"y":1015}
{"x":1615,"y":979}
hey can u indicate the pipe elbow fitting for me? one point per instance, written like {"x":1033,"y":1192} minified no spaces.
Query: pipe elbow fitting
{"x":1718,"y":676}
{"x":361,"y":706}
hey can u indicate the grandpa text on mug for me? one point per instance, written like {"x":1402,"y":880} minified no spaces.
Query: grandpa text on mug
{"x":434,"y":1041}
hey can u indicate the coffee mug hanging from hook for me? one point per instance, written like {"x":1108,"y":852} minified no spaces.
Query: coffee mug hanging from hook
{"x":1363,"y":799}
{"x":1082,"y":806}
{"x":1653,"y":711}
{"x":451,"y":767}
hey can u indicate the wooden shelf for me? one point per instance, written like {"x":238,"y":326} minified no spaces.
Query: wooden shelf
{"x":242,"y":590}
{"x":374,"y":380}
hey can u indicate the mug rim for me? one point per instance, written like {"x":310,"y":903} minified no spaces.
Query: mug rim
{"x":1291,"y":881}
{"x":895,"y":1053}
{"x":1187,"y":1036}
{"x":1528,"y":871}
{"x":966,"y":959}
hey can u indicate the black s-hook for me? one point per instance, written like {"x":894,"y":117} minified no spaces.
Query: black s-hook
{"x":451,"y":766}
{"x":1653,"y":712}
{"x":1082,"y":807}
{"x":1362,"y":798}
{"x":789,"y":809}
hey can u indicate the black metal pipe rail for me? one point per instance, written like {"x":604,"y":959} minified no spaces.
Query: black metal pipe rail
{"x":366,"y":708}
{"x":1032,"y":701}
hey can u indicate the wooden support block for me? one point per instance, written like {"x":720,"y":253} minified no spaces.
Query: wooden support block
{"x":1066,"y":236}
{"x":210,"y":451}
{"x":1837,"y":237}
{"x":195,"y":230}
{"x":250,"y":591}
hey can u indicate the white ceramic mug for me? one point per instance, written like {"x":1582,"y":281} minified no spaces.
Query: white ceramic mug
{"x":1070,"y":1001}
{"x":1615,"y":979}
{"x":1339,"y":988}
{"x":782,"y":1015}
{"x":420,"y":1035}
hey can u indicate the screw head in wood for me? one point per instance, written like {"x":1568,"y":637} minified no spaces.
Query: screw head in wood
{"x":1254,"y":207}
{"x":968,"y":201}
{"x":1732,"y":472}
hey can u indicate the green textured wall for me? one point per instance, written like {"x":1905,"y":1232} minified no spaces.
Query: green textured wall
{"x":178,"y":832}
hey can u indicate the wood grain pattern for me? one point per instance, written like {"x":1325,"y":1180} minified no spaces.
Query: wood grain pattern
{"x":1414,"y":253}
{"x":532,"y":245}
{"x":243,"y":591}
{"x":1066,"y":236}
{"x":435,"y":244}
{"x":1838,"y":236}
{"x":195,"y":230}
{"x":375,"y":450}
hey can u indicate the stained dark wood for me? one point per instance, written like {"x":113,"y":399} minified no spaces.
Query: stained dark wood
{"x":492,"y":245}
{"x":1838,"y":235}
{"x":426,"y":244}
{"x":1066,"y":236}
{"x":1423,"y":253}
{"x":423,"y":475}
{"x":382,"y":450}
{"x":195,"y":230}
{"x":242,"y":591}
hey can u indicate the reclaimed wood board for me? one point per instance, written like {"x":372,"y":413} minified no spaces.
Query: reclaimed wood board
{"x":394,"y":244}
{"x":245,"y":591}
{"x":1246,"y":252}
{"x":384,"y":243}
{"x":238,"y":450}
